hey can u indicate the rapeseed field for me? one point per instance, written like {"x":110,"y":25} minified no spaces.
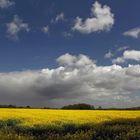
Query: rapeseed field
{"x":44,"y":124}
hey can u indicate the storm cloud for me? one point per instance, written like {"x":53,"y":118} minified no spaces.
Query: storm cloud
{"x":76,"y":79}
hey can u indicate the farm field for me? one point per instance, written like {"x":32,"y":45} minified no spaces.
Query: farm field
{"x":43,"y":124}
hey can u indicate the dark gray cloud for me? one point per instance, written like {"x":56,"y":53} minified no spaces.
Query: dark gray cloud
{"x":77,"y":79}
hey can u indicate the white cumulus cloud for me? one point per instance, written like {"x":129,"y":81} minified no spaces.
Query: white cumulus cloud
{"x":59,"y":17}
{"x":109,"y":54}
{"x":101,"y":19}
{"x":132,"y":54}
{"x":6,"y":3}
{"x":118,"y":60}
{"x":134,"y":33}
{"x":128,"y":55}
{"x":122,"y":48}
{"x":15,"y":27}
{"x":45,"y":29}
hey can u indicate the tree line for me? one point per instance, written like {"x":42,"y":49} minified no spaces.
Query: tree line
{"x":80,"y":106}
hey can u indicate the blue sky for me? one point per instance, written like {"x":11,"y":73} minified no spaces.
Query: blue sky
{"x":35,"y":49}
{"x":52,"y":37}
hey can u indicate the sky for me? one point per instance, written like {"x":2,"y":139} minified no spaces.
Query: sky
{"x":54,"y":53}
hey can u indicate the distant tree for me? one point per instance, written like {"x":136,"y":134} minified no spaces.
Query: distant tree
{"x":81,"y":106}
{"x":46,"y":108}
{"x":28,"y":106}
{"x":11,"y":106}
{"x":100,"y":108}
